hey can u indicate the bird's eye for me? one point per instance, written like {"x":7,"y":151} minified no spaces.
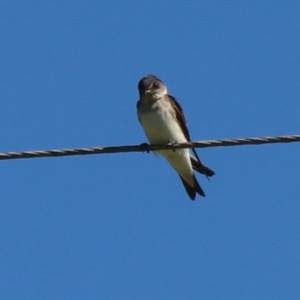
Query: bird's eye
{"x":155,"y":85}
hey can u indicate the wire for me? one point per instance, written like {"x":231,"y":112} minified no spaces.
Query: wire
{"x":147,"y":148}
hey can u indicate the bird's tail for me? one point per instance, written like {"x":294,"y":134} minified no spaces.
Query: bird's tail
{"x":192,"y":190}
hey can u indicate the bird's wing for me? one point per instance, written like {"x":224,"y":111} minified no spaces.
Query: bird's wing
{"x":180,"y":117}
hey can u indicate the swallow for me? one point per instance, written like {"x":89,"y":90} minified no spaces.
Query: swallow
{"x":163,"y":121}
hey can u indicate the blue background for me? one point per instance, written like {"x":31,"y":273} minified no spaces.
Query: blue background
{"x":121,"y":226}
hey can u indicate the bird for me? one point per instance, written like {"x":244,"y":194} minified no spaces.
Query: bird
{"x":163,"y":121}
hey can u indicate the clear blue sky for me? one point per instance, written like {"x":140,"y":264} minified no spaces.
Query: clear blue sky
{"x":120,"y":226}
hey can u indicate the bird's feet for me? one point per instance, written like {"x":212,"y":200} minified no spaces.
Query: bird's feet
{"x":144,"y":147}
{"x":172,"y":143}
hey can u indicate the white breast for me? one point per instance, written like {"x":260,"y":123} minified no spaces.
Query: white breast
{"x":161,"y":127}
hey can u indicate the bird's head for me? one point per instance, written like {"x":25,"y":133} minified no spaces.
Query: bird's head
{"x":151,"y":86}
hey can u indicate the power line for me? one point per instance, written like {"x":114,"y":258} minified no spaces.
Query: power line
{"x":147,"y":148}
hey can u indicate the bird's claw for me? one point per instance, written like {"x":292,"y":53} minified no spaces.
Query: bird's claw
{"x":144,"y":147}
{"x":172,"y":143}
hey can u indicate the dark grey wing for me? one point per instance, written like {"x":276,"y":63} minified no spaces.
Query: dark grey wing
{"x":180,"y":116}
{"x":138,"y":107}
{"x":183,"y":124}
{"x":201,"y":168}
{"x":138,"y":104}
